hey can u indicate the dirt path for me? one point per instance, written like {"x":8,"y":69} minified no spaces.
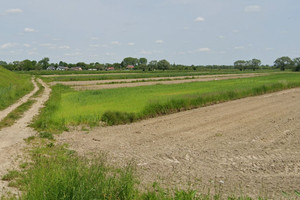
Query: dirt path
{"x":12,"y":138}
{"x":164,"y":81}
{"x":249,"y":146}
{"x":25,"y":98}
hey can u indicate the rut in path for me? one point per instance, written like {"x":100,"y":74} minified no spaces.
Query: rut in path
{"x":12,"y":138}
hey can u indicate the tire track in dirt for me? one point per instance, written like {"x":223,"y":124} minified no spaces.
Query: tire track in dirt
{"x":12,"y":138}
{"x":5,"y":112}
{"x":251,"y":144}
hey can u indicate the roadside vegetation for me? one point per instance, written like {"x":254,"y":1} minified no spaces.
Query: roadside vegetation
{"x":126,"y":105}
{"x":55,"y":172}
{"x":12,"y":87}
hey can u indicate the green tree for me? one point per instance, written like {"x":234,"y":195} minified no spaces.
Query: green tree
{"x":163,"y":65}
{"x":254,"y":64}
{"x":142,"y":61}
{"x":44,"y":62}
{"x":240,"y":64}
{"x":152,"y":65}
{"x":283,"y":63}
{"x":129,"y":61}
{"x":296,"y":64}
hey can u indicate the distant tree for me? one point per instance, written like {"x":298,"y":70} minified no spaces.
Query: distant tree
{"x":82,"y":65}
{"x":44,"y":62}
{"x":64,"y":64}
{"x":254,"y":64}
{"x":142,"y":61}
{"x":296,"y":64}
{"x":26,"y":65}
{"x":163,"y":65}
{"x":129,"y":61}
{"x":283,"y":63}
{"x":152,"y":65}
{"x":240,"y":64}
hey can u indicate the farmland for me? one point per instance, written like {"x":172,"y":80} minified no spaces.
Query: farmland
{"x":148,"y":101}
{"x":185,"y":131}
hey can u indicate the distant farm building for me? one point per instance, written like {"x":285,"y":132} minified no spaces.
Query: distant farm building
{"x":110,"y":69}
{"x":51,"y":68}
{"x":61,"y":68}
{"x":130,"y":67}
{"x":76,"y":69}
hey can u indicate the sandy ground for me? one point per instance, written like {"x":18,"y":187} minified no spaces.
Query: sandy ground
{"x":12,"y":138}
{"x":249,"y":146}
{"x":4,"y":113}
{"x":165,"y":82}
{"x":122,"y":81}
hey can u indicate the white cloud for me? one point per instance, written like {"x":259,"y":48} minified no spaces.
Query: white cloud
{"x":13,"y":11}
{"x":159,"y":41}
{"x":252,"y":8}
{"x":26,"y":45}
{"x":203,"y":49}
{"x":199,"y":19}
{"x":115,"y":43}
{"x":7,"y":45}
{"x":144,"y":52}
{"x":94,"y":45}
{"x":235,"y":31}
{"x":94,"y":38}
{"x":239,"y":47}
{"x":29,"y":30}
{"x":131,"y":44}
{"x":221,"y":36}
{"x":64,"y":47}
{"x":269,"y":49}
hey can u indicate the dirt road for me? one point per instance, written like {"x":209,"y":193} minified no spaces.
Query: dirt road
{"x":12,"y":138}
{"x":249,"y":146}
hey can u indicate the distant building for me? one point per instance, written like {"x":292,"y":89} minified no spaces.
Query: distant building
{"x":61,"y":68}
{"x":130,"y":67}
{"x":93,"y":69}
{"x":51,"y":68}
{"x":110,"y":69}
{"x":76,"y":69}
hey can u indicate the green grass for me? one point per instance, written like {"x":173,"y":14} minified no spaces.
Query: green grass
{"x":12,"y":87}
{"x":111,"y":76}
{"x":40,"y":91}
{"x":123,"y":105}
{"x":16,"y":114}
{"x":58,"y":173}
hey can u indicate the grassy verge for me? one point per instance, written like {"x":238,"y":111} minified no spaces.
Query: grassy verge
{"x":13,"y":87}
{"x":55,"y":172}
{"x":40,"y":91}
{"x":16,"y":114}
{"x":125,"y":105}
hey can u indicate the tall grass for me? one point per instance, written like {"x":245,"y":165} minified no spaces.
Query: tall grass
{"x":12,"y":87}
{"x":125,"y":105}
{"x":57,"y":173}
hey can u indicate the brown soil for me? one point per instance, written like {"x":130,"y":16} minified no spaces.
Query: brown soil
{"x":90,"y":86}
{"x":249,"y":146}
{"x":12,"y":138}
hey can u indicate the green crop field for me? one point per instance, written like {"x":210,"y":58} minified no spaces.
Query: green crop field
{"x":122,"y":105}
{"x":111,"y":76}
{"x":12,"y":87}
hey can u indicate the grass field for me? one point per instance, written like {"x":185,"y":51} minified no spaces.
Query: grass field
{"x":123,"y":105}
{"x":12,"y":87}
{"x":111,"y":76}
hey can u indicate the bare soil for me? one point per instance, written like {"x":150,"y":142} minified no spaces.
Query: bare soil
{"x":249,"y":146}
{"x":104,"y":84}
{"x":12,"y":138}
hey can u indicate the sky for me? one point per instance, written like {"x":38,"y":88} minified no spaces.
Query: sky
{"x":198,"y":32}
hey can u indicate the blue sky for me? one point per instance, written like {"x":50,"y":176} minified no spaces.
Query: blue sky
{"x":198,"y":32}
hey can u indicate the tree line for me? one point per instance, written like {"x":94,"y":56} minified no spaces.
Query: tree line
{"x":281,"y":63}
